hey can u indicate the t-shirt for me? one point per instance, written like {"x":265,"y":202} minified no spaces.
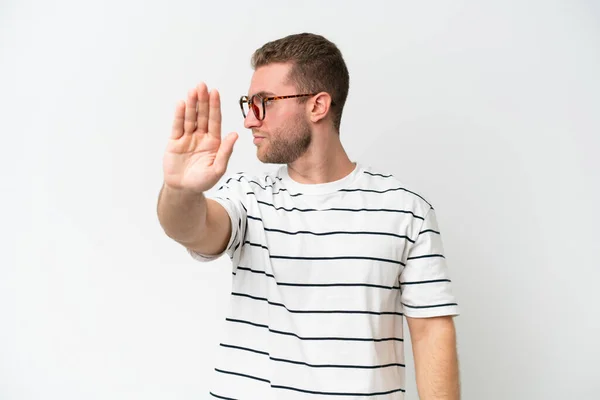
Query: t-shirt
{"x":323,"y":275}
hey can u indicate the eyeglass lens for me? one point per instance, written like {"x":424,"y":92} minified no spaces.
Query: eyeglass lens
{"x":255,"y":104}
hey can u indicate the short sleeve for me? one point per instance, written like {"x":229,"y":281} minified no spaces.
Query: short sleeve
{"x":424,"y":282}
{"x":232,"y":196}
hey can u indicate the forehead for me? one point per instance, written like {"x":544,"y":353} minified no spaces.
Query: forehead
{"x":271,"y":78}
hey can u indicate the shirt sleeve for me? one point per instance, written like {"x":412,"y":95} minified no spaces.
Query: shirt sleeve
{"x":424,"y":282}
{"x":231,"y":195}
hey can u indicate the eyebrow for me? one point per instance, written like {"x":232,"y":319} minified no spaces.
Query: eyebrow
{"x":262,"y":93}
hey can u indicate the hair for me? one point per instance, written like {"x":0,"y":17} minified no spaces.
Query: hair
{"x":317,"y":66}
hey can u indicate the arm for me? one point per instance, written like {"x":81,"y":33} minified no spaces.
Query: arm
{"x":189,"y":218}
{"x":436,"y":360}
{"x":195,"y":159}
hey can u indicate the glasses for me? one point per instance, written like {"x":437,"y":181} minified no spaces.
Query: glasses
{"x":257,"y":103}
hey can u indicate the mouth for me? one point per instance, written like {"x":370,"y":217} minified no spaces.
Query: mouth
{"x":258,"y":139}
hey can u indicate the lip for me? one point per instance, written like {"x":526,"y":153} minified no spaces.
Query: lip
{"x":258,"y":139}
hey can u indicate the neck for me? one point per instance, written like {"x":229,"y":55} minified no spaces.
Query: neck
{"x":324,"y":161}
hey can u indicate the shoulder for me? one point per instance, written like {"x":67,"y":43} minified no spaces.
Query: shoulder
{"x":245,"y":181}
{"x":397,"y":191}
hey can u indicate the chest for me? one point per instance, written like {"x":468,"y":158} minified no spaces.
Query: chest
{"x":340,"y":239}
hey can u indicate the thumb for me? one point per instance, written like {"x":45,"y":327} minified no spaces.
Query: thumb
{"x":224,"y":152}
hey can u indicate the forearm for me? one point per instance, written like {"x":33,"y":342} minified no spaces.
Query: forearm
{"x":182,"y":214}
{"x":436,"y":364}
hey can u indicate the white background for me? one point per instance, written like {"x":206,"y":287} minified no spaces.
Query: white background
{"x":489,"y":109}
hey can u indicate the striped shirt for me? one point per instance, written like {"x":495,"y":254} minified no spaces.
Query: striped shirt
{"x":323,"y":275}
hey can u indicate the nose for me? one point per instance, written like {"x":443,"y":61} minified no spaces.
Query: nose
{"x":251,"y":121}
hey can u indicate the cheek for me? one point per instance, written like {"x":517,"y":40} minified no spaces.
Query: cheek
{"x":284,"y":113}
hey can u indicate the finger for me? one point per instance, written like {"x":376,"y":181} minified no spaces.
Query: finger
{"x":214,"y":116}
{"x":177,"y":130}
{"x":189,"y":125}
{"x":224,"y":152}
{"x":202,"y":120}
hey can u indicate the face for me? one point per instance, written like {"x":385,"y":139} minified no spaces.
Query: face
{"x":285,"y":133}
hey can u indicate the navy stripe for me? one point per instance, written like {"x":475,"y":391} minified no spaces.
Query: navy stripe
{"x":338,"y":366}
{"x":338,"y":285}
{"x":315,"y":311}
{"x":229,"y":346}
{"x":243,"y":375}
{"x":339,"y":258}
{"x":337,"y":338}
{"x":340,"y":209}
{"x":256,"y":245}
{"x":432,"y":306}
{"x":256,"y":271}
{"x":424,"y":282}
{"x":240,"y":321}
{"x":221,"y":397}
{"x":339,"y":233}
{"x":425,"y":256}
{"x":372,"y":174}
{"x":266,"y":186}
{"x":315,"y":284}
{"x":337,"y":393}
{"x":239,"y":179}
{"x":312,"y":365}
{"x":429,"y":230}
{"x":246,"y":322}
{"x":385,"y":191}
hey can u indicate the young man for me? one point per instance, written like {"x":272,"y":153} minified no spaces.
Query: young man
{"x":328,"y":255}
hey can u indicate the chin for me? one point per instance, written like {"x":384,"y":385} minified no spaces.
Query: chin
{"x":265,"y":159}
{"x":261,"y":156}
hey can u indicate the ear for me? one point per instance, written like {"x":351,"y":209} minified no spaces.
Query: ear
{"x":320,"y":106}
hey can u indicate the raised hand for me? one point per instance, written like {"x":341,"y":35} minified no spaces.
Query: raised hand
{"x":196,"y":157}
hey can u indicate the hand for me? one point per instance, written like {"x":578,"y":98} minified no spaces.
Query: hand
{"x":196,"y":157}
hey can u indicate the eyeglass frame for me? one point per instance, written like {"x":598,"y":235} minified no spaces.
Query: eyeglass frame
{"x":250,"y":100}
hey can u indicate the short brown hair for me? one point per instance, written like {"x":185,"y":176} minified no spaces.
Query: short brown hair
{"x":318,"y":66}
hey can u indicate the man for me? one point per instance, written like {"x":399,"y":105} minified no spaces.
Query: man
{"x":328,"y":255}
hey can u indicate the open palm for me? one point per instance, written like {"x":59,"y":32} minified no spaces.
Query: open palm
{"x":196,"y":157}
